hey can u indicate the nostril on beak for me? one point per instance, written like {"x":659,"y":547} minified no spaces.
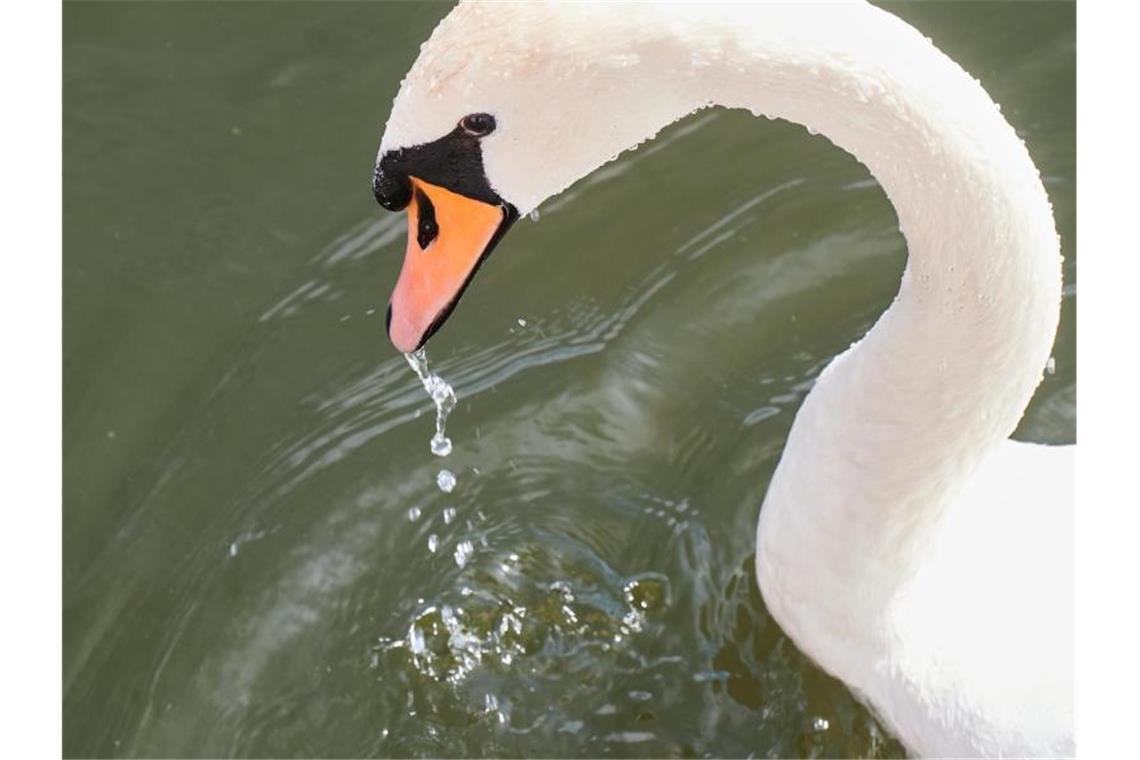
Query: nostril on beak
{"x":388,"y":320}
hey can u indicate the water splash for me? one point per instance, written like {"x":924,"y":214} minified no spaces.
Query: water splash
{"x":526,"y":622}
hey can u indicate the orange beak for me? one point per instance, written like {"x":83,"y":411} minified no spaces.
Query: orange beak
{"x":449,"y":235}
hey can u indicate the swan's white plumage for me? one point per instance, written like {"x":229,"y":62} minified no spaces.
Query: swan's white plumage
{"x":903,"y":544}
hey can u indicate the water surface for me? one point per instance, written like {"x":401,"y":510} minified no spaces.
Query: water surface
{"x":257,"y":557}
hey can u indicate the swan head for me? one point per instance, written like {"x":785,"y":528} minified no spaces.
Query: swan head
{"x":455,"y":219}
{"x":507,"y":105}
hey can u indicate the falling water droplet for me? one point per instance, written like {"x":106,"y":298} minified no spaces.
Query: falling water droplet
{"x":445,"y":480}
{"x":440,"y":445}
{"x":441,"y":394}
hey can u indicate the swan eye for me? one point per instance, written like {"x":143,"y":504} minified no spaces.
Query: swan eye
{"x":478,"y":124}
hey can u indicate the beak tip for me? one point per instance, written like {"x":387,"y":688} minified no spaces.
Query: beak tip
{"x":404,"y":338}
{"x":403,"y":346}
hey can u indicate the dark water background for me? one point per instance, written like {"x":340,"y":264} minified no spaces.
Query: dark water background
{"x":250,"y":502}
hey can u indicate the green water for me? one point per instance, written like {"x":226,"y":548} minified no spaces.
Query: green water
{"x":250,"y":500}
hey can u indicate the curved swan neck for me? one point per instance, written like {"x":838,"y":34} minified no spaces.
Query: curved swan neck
{"x":893,"y":424}
{"x":948,"y":370}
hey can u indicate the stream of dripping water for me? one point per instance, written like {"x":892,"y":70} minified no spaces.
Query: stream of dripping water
{"x":443,"y":396}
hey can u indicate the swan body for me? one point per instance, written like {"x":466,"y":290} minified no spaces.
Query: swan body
{"x":904,"y":543}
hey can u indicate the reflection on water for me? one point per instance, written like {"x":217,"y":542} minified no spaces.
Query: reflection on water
{"x":263,"y":557}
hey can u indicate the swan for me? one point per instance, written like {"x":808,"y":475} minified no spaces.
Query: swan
{"x":904,"y":544}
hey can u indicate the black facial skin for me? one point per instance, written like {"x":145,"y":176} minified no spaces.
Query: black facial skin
{"x":428,"y":229}
{"x":454,"y":162}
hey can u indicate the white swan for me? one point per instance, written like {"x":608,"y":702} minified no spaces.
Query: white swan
{"x":904,"y":543}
